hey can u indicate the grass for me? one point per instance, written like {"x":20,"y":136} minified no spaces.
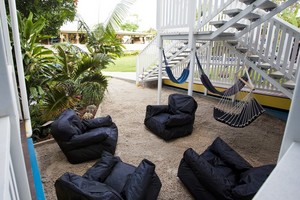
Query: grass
{"x":123,"y":64}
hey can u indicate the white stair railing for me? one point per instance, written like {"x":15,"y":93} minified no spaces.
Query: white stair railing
{"x":146,"y":58}
{"x":274,"y":41}
{"x":277,"y":42}
{"x":211,"y":9}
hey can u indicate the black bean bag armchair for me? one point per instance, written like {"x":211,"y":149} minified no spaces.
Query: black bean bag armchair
{"x":111,"y":179}
{"x":84,"y":140}
{"x":221,"y":173}
{"x":173,"y":120}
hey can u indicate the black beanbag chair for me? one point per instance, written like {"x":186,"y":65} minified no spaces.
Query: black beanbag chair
{"x":221,"y":173}
{"x":84,"y":140}
{"x":111,"y":179}
{"x":173,"y":120}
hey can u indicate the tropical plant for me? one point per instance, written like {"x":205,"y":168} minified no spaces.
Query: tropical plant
{"x":77,"y":77}
{"x":290,"y":14}
{"x":129,"y":27}
{"x":103,"y":38}
{"x":70,"y":77}
{"x":37,"y":60}
{"x":105,"y":41}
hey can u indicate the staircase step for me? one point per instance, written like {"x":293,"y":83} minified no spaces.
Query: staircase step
{"x":264,"y":66}
{"x":173,"y":62}
{"x":217,"y":24}
{"x":232,"y":12}
{"x":227,"y":34}
{"x":224,"y":34}
{"x":289,"y":84}
{"x":178,"y":58}
{"x":180,"y":47}
{"x":252,"y":16}
{"x":247,"y":2}
{"x":232,"y":42}
{"x":268,"y":6}
{"x":242,"y":49}
{"x":239,"y":26}
{"x":253,"y":58}
{"x":277,"y":74}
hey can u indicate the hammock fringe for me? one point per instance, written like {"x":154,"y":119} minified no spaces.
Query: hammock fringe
{"x":236,"y":114}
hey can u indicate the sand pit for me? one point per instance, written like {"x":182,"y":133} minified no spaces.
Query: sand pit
{"x":258,"y":143}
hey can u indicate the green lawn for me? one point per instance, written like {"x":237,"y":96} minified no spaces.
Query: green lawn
{"x":123,"y":64}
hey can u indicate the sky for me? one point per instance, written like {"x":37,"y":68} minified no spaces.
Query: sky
{"x":96,"y":11}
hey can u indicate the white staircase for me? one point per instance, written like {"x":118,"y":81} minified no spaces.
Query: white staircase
{"x":228,"y":30}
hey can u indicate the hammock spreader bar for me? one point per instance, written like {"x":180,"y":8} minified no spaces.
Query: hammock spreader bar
{"x":184,"y":75}
{"x":250,"y":111}
{"x":228,"y":92}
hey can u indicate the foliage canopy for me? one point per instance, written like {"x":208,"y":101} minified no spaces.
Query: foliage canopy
{"x":55,"y":12}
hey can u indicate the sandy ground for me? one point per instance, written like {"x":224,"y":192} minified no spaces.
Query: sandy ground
{"x":258,"y":143}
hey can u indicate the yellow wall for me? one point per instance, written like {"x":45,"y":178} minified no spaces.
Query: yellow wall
{"x":263,"y":99}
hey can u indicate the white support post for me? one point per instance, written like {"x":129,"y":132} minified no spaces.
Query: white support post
{"x":137,"y":71}
{"x":9,"y":107}
{"x":160,"y":60}
{"x":192,"y":20}
{"x":192,"y":66}
{"x":292,"y":132}
{"x":20,"y":68}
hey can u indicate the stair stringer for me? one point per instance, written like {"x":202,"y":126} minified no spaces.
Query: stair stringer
{"x":249,"y":63}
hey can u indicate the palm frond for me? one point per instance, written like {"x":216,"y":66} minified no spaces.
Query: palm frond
{"x":96,"y":78}
{"x":55,"y":102}
{"x":118,"y":14}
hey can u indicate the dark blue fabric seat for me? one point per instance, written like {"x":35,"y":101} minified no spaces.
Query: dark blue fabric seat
{"x":221,"y":173}
{"x":111,"y":179}
{"x":173,"y":120}
{"x":84,"y":140}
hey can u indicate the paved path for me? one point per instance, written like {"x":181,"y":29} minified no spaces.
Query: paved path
{"x":129,"y":76}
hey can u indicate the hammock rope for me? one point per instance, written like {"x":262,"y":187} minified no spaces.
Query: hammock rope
{"x":184,"y":75}
{"x":236,"y":108}
{"x":209,"y":86}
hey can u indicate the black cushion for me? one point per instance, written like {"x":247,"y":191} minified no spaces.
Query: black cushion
{"x":173,"y":120}
{"x":251,"y":181}
{"x":84,"y":140}
{"x":220,"y":173}
{"x":110,"y":178}
{"x":71,"y":186}
{"x":66,"y":126}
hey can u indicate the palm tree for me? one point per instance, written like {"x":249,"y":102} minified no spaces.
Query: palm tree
{"x":78,"y":74}
{"x":70,"y":77}
{"x":77,"y":77}
{"x":103,"y":38}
